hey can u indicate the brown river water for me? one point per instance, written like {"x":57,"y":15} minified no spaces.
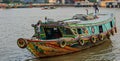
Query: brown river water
{"x":16,"y":23}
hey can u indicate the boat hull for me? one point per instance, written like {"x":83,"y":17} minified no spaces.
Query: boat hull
{"x":49,"y":49}
{"x":45,"y":48}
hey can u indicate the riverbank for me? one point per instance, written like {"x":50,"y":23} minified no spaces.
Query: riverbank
{"x":43,"y":5}
{"x":3,"y":5}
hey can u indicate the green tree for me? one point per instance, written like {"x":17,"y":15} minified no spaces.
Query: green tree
{"x":17,"y":1}
{"x":46,"y":1}
{"x":6,"y":1}
{"x":92,"y":0}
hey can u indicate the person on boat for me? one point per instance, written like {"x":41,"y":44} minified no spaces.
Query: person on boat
{"x":95,"y":6}
{"x":38,"y":28}
{"x":87,"y":11}
{"x":46,"y":19}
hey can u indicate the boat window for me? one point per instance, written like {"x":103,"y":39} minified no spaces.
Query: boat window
{"x":42,"y":33}
{"x":67,"y":31}
{"x":111,"y":24}
{"x":79,"y":31}
{"x":100,"y":29}
{"x":52,"y":33}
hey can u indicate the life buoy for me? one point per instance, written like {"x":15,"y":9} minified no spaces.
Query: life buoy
{"x":62,"y":43}
{"x":101,"y":37}
{"x":81,"y":42}
{"x":93,"y":39}
{"x":115,"y":29}
{"x":22,"y":43}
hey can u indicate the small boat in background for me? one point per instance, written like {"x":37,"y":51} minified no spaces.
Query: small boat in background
{"x":3,"y":5}
{"x":48,"y":7}
{"x":70,"y":35}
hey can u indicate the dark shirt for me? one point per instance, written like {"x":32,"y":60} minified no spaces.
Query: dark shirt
{"x":95,"y":6}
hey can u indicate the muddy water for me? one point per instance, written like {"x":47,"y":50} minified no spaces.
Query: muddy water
{"x":16,"y":23}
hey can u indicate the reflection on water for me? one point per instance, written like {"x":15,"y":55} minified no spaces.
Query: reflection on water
{"x":15,"y":23}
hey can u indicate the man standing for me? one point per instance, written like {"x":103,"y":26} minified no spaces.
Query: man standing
{"x":95,"y":6}
{"x":46,"y":19}
{"x":38,"y":29}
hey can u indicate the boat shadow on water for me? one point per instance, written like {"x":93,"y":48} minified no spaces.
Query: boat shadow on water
{"x":94,"y":53}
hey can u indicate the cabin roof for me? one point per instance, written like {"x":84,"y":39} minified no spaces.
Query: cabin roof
{"x":102,"y":18}
{"x":54,"y":24}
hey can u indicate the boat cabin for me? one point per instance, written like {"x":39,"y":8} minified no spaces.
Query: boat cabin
{"x":53,"y":31}
{"x":89,"y":25}
{"x":75,"y":27}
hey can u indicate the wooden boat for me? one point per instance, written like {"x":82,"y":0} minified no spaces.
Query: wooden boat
{"x":70,"y":35}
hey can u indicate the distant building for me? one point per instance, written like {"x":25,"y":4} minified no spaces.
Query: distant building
{"x":102,"y":3}
{"x":59,"y":1}
{"x":118,"y":0}
{"x":40,"y":1}
{"x":52,"y":1}
{"x":34,"y":1}
{"x":65,"y":1}
{"x":1,"y":0}
{"x":82,"y":0}
{"x":26,"y":1}
{"x":79,"y":1}
{"x":69,"y":1}
{"x":10,"y":0}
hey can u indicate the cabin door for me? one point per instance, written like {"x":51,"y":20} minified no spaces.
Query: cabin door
{"x":52,"y":33}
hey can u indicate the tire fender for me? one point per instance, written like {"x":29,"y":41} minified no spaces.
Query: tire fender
{"x":81,"y":42}
{"x":22,"y":43}
{"x":101,"y":37}
{"x":93,"y":39}
{"x":62,"y":43}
